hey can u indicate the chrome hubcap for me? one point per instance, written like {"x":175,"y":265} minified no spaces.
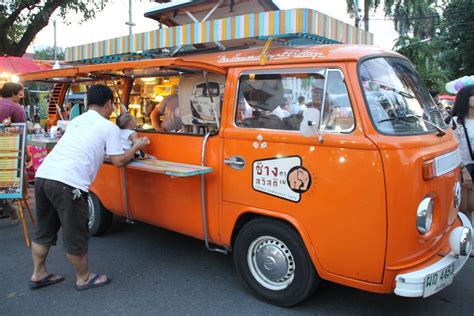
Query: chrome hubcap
{"x":271,"y":263}
{"x":91,"y":211}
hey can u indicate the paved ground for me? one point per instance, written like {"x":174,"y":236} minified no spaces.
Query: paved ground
{"x":155,"y":271}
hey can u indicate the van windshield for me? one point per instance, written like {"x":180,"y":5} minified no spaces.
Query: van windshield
{"x":397,"y":99}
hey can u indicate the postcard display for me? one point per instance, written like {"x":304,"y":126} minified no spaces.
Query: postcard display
{"x":12,"y":167}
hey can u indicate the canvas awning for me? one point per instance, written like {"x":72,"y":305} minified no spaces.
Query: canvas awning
{"x":288,"y":27}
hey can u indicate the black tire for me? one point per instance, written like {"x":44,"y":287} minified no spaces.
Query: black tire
{"x":288,"y":286}
{"x":100,"y":219}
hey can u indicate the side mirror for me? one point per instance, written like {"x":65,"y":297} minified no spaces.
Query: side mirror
{"x":309,"y":126}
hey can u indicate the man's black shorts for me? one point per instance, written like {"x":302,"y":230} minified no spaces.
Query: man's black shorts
{"x":57,"y":206}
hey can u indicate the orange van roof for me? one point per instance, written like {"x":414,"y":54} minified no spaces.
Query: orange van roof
{"x":217,"y":62}
{"x":291,"y":54}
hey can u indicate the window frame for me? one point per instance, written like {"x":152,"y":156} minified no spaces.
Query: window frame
{"x":304,"y":70}
{"x":360,"y":62}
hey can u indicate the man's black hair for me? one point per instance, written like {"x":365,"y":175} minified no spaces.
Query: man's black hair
{"x":99,"y":94}
{"x":10,"y":89}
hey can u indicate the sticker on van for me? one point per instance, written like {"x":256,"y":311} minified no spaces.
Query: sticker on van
{"x":285,"y":177}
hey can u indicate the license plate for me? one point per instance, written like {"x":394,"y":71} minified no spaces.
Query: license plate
{"x":437,"y":281}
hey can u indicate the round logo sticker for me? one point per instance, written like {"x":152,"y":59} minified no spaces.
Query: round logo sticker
{"x":299,"y":179}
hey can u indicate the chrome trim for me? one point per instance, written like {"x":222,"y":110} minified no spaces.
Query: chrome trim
{"x":235,"y":162}
{"x":203,"y":199}
{"x":422,"y":215}
{"x":457,"y":195}
{"x":271,"y":263}
{"x":128,"y":219}
{"x":447,"y":162}
{"x":465,"y":242}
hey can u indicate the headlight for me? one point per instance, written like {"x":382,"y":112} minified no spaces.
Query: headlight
{"x":460,"y":241}
{"x":457,"y":195}
{"x":424,"y":215}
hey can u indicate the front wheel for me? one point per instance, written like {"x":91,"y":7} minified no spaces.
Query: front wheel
{"x":100,"y":218}
{"x":272,"y":259}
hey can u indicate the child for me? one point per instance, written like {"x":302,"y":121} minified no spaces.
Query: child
{"x":127,"y":124}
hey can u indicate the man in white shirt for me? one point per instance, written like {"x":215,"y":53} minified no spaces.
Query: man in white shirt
{"x":299,"y":107}
{"x":62,"y":183}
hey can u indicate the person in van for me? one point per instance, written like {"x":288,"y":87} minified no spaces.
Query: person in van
{"x":166,"y":116}
{"x":285,"y":107}
{"x":298,"y":107}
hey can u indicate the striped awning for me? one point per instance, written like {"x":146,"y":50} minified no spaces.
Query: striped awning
{"x":291,"y":27}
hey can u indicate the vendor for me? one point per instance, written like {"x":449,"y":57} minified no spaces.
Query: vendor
{"x":169,"y":110}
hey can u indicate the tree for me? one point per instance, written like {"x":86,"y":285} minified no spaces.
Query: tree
{"x":424,"y":54}
{"x":21,"y":20}
{"x":352,"y":8}
{"x":457,"y":39}
{"x":47,"y":54}
{"x":413,"y":16}
{"x":417,"y":16}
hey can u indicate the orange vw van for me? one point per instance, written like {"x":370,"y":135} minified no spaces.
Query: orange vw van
{"x":308,"y":163}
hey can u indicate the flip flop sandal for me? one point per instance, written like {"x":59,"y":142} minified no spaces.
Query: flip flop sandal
{"x":91,"y":283}
{"x":49,"y":280}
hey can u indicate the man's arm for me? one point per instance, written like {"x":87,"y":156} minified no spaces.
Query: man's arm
{"x":121,"y":160}
{"x":155,"y":118}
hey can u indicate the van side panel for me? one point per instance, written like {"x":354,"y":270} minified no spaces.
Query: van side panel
{"x":344,"y":206}
{"x":169,"y":202}
{"x":108,"y":187}
{"x":406,"y":188}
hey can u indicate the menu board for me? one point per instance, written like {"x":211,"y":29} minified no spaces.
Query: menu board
{"x":12,"y":160}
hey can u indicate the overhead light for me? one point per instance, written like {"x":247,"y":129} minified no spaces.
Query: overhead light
{"x":148,"y":79}
{"x":14,"y":78}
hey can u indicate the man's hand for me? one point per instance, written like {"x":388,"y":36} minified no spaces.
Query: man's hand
{"x":121,"y":160}
{"x":142,"y":142}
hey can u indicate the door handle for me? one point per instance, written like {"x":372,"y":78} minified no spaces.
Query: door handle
{"x":235,"y":162}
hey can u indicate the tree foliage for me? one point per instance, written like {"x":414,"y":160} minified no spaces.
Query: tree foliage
{"x":423,"y":55}
{"x":434,"y":34}
{"x":368,"y":5}
{"x":21,"y":20}
{"x":418,"y":17}
{"x":456,"y":39}
{"x":48,"y":54}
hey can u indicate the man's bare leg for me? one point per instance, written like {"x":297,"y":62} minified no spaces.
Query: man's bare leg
{"x":81,"y":266}
{"x":39,"y":253}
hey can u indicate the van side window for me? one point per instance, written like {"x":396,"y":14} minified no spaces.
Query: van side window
{"x":278,"y":101}
{"x":337,"y":115}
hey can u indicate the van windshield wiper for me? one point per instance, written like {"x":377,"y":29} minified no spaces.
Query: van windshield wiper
{"x":385,"y":86}
{"x":407,"y":118}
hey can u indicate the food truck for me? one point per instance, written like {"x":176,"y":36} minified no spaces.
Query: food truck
{"x":361,"y":187}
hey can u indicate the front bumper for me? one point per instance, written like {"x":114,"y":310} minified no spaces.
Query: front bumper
{"x":411,"y":284}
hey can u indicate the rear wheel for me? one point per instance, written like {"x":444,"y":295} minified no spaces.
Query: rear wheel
{"x":272,"y":259}
{"x":100,"y":218}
